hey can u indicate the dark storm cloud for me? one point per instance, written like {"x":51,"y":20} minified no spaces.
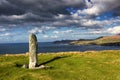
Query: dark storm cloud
{"x":34,"y":10}
{"x":7,"y":8}
{"x":40,"y":11}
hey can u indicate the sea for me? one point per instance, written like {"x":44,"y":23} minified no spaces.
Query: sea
{"x":46,"y":47}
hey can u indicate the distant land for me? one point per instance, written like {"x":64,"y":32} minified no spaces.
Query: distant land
{"x":64,"y":41}
{"x":103,"y":41}
{"x":69,"y":41}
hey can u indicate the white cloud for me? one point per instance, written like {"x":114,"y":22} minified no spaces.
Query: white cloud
{"x":6,"y":34}
{"x":56,"y":32}
{"x":95,"y":10}
{"x":41,"y":29}
{"x":54,"y":36}
{"x":60,"y":16}
{"x":82,"y":18}
{"x":19,"y":17}
{"x":114,"y":30}
{"x":2,"y":29}
{"x":47,"y":28}
{"x":63,"y":32}
{"x":97,"y":32}
{"x":68,"y":31}
{"x":96,"y":7}
{"x":35,"y":30}
{"x":45,"y":36}
{"x":91,"y":23}
{"x":50,"y":36}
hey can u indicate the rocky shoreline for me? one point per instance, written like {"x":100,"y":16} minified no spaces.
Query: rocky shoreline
{"x":111,"y":44}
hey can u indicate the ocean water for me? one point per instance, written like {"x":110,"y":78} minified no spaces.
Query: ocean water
{"x":44,"y":47}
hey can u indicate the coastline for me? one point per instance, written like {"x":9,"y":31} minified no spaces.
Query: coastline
{"x":102,"y":41}
{"x":55,"y":53}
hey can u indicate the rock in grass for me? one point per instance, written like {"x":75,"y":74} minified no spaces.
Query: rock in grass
{"x":33,"y":47}
{"x":43,"y":67}
{"x":25,"y":66}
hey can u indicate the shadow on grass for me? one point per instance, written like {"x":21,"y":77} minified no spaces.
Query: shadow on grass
{"x":19,"y":65}
{"x":51,"y":60}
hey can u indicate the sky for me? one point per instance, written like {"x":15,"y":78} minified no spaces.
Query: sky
{"x":53,"y":20}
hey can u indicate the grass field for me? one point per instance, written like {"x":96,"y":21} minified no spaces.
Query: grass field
{"x":90,"y":65}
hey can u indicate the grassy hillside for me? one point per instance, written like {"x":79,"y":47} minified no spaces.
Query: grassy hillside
{"x":107,"y":40}
{"x":90,"y":65}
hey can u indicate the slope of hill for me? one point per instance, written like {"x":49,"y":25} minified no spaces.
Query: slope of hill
{"x":106,"y":41}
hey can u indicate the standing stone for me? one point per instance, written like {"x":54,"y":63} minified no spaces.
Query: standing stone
{"x":33,"y":46}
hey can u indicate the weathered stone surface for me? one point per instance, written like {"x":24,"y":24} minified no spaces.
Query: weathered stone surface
{"x":43,"y":67}
{"x":25,"y":66}
{"x":33,"y":47}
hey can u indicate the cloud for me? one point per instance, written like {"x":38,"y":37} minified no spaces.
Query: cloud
{"x":35,"y":30}
{"x":43,"y":29}
{"x":6,"y":34}
{"x":17,"y":12}
{"x":91,"y":23}
{"x":46,"y":36}
{"x":28,"y":17}
{"x":100,"y":6}
{"x":63,"y":32}
{"x":114,"y":30}
{"x":37,"y":13}
{"x":2,"y":29}
{"x":43,"y":8}
{"x":52,"y":36}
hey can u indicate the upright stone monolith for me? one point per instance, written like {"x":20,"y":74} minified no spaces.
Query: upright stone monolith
{"x":33,"y":47}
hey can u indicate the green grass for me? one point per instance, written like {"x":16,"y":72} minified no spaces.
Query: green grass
{"x":90,"y":65}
